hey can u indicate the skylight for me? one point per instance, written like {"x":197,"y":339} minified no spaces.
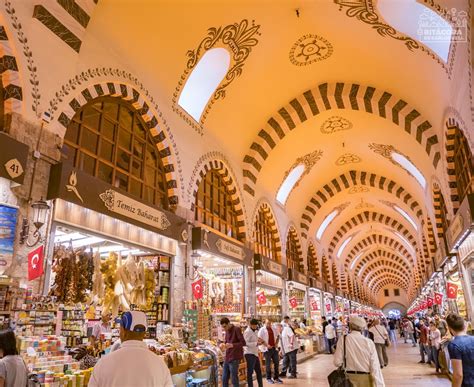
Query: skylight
{"x":203,"y":81}
{"x":355,"y":259}
{"x":343,"y":246}
{"x":325,"y":224}
{"x":420,"y":23}
{"x":410,"y":167}
{"x":289,"y":183}
{"x":407,"y":217}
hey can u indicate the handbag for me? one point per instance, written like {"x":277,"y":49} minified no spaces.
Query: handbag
{"x":387,"y":341}
{"x":338,"y":378}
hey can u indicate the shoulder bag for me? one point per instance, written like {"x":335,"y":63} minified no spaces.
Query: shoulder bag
{"x":387,"y":341}
{"x":338,"y":378}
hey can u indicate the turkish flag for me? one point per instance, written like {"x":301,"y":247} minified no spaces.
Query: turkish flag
{"x":438,"y":298}
{"x":261,"y":298}
{"x":314,"y":306}
{"x":452,"y":290}
{"x":35,"y":263}
{"x":328,"y":307}
{"x":197,"y":289}
{"x":429,"y":301}
{"x":423,"y":305}
{"x":293,"y":302}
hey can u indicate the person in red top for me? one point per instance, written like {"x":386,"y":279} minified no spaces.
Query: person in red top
{"x":423,"y":331}
{"x":234,"y":352}
{"x":270,"y":338}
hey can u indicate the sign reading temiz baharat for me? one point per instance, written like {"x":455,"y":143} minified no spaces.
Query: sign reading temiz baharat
{"x":87,"y":191}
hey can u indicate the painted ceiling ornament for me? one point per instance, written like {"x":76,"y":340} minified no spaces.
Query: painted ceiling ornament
{"x":363,"y":204}
{"x":365,"y":11}
{"x":310,"y":49}
{"x":239,"y":39}
{"x":342,"y":207}
{"x":387,"y":203}
{"x":335,"y":124}
{"x":358,"y":189}
{"x":348,"y":158}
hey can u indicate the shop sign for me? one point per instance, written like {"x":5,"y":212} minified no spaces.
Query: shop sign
{"x":13,"y":159}
{"x":264,"y":263}
{"x":331,"y":289}
{"x":301,"y":278}
{"x":87,"y":191}
{"x":461,"y":222}
{"x":295,"y":275}
{"x":207,"y":240}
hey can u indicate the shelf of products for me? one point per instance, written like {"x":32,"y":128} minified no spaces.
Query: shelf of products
{"x":73,"y":326}
{"x":269,"y":304}
{"x":299,"y":311}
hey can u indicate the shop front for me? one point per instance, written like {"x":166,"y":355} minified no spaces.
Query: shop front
{"x":296,"y":288}
{"x":315,"y":294}
{"x":270,"y":280}
{"x":460,"y":272}
{"x":95,"y":227}
{"x":329,"y":302}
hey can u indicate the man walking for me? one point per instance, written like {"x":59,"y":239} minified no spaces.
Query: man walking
{"x":133,"y":364}
{"x":423,"y":333}
{"x":289,"y":349}
{"x":326,"y":342}
{"x":234,"y":352}
{"x":461,"y":352}
{"x":270,"y":338}
{"x":330,"y":333}
{"x":251,"y":353}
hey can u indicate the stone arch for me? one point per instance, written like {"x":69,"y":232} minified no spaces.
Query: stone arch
{"x":394,"y":305}
{"x":292,"y":232}
{"x":440,"y":211}
{"x":222,"y":168}
{"x":312,"y":261}
{"x":350,"y":180}
{"x":10,"y":76}
{"x":325,"y":275}
{"x":139,"y":102}
{"x":381,"y":274}
{"x":367,"y":217}
{"x":265,"y":206}
{"x":382,"y":281}
{"x":385,"y":256}
{"x":383,"y":264}
{"x":340,"y":95}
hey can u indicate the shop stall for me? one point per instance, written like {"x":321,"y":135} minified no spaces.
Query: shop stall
{"x":315,"y":294}
{"x":297,"y":287}
{"x":270,"y":279}
{"x":329,"y":302}
{"x":460,"y":276}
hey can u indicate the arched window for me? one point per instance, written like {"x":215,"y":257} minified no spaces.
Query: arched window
{"x":463,"y":165}
{"x":293,"y":258}
{"x":109,"y":139}
{"x":325,"y":269}
{"x":313,"y":266}
{"x":266,"y":235}
{"x":214,"y":205}
{"x":335,"y":277}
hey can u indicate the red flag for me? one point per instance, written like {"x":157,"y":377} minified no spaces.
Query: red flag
{"x":429,"y":302}
{"x":452,"y":290}
{"x":438,"y":298}
{"x":423,"y":305}
{"x":35,"y":263}
{"x":197,"y":289}
{"x":293,"y":302}
{"x":261,"y":298}
{"x":328,"y":307}
{"x":314,"y":306}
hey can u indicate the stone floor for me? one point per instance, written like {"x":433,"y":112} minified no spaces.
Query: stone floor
{"x":402,"y":371}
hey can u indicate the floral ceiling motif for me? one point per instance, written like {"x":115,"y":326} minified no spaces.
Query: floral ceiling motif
{"x":239,"y":39}
{"x":348,"y":158}
{"x":335,"y":124}
{"x":358,"y":189}
{"x":310,"y":49}
{"x":363,"y":204}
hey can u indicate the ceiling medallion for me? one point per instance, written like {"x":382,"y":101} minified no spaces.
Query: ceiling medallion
{"x":310,"y":49}
{"x":348,"y":158}
{"x":335,"y":124}
{"x":358,"y":189}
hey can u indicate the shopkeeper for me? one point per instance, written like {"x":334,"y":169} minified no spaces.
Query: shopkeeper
{"x":101,"y":328}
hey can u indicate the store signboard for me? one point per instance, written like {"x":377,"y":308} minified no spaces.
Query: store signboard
{"x":461,"y":222}
{"x":203,"y":239}
{"x":13,"y":159}
{"x":264,"y":263}
{"x":297,"y":276}
{"x":331,"y":289}
{"x":78,"y":187}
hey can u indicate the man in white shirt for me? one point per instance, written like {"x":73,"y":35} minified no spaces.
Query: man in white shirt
{"x":361,"y":363}
{"x":101,"y":328}
{"x":289,"y":349}
{"x":133,"y":364}
{"x":251,"y":353}
{"x":270,"y":338}
{"x":380,"y":335}
{"x":330,"y":333}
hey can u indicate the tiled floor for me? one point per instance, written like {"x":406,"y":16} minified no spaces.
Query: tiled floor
{"x":403,"y":370}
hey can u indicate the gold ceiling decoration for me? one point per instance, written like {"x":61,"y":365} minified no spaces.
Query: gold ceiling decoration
{"x":342,"y":206}
{"x":335,"y":124}
{"x":358,"y":189}
{"x":310,"y":49}
{"x":348,"y":158}
{"x":239,"y":39}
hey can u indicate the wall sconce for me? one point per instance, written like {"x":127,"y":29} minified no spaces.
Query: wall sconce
{"x":40,"y":213}
{"x":196,"y":264}
{"x":290,"y":286}
{"x":258,"y":276}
